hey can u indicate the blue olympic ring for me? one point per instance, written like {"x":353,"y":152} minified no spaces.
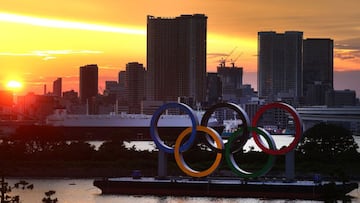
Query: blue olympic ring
{"x":154,"y":130}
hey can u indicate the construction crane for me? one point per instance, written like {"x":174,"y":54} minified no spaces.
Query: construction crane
{"x":234,"y":60}
{"x":223,"y":60}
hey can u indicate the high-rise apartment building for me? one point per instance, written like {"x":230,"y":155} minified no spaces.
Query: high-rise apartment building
{"x":280,"y":64}
{"x":135,"y":86}
{"x":318,"y":68}
{"x":57,"y":87}
{"x":88,"y":83}
{"x":176,"y":57}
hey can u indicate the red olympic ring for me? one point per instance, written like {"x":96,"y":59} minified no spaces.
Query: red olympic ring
{"x":298,"y":129}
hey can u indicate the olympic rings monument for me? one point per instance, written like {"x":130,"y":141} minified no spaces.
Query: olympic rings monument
{"x":200,"y":185}
{"x":245,"y":131}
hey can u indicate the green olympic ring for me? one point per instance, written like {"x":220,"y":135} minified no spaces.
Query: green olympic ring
{"x":235,"y":167}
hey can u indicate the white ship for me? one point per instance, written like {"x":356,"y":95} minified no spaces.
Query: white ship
{"x":61,"y":118}
{"x":123,"y":126}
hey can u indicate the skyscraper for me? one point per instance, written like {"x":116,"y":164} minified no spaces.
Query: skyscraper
{"x":88,"y":83}
{"x":135,"y":86}
{"x":57,"y":87}
{"x":280,"y":64}
{"x":318,"y":62}
{"x":176,"y":57}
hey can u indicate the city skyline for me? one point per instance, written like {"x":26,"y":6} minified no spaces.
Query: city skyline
{"x":41,"y":42}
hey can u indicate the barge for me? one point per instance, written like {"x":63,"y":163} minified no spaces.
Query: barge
{"x":221,"y":187}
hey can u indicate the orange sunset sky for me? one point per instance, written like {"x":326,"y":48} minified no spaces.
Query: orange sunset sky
{"x":41,"y":40}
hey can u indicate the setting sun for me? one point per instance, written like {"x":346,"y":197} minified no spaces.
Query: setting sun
{"x":14,"y":85}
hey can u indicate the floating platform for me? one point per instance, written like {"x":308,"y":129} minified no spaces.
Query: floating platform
{"x":220,"y":187}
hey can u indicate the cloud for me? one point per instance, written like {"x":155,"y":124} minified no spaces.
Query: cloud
{"x":50,"y":54}
{"x":348,"y":49}
{"x":348,"y":55}
{"x":214,"y":55}
{"x":63,"y":24}
{"x":49,"y":58}
{"x":353,"y":44}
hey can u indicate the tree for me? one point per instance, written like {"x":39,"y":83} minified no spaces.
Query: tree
{"x":112,"y":150}
{"x":328,"y":141}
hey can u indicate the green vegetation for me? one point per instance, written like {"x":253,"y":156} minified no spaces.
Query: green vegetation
{"x":72,"y":159}
{"x":330,"y":150}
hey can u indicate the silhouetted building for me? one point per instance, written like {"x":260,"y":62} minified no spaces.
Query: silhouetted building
{"x":6,"y":98}
{"x":251,"y":109}
{"x":112,"y":92}
{"x":111,"y":85}
{"x":135,"y":86}
{"x":214,"y":88}
{"x":121,"y":78}
{"x":176,"y":57}
{"x":246,"y":94}
{"x":71,"y":96}
{"x":36,"y":107}
{"x":340,"y":98}
{"x":318,"y":67}
{"x":6,"y":105}
{"x":88,"y":82}
{"x":89,"y":86}
{"x":315,"y":93}
{"x":231,"y":80}
{"x":280,"y":65}
{"x":57,"y":87}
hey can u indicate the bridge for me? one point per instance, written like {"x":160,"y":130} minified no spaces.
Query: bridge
{"x":314,"y":115}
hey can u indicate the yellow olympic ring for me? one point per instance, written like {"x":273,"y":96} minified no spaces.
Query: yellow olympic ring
{"x":180,"y":159}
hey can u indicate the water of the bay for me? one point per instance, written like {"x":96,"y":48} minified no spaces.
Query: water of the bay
{"x":83,"y":191}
